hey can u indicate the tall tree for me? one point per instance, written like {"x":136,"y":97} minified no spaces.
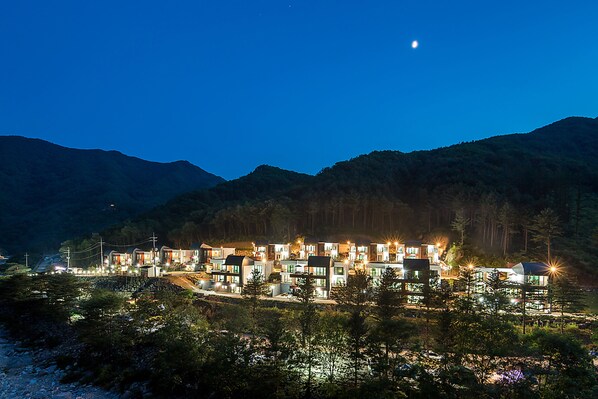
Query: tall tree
{"x":355,"y":297}
{"x":566,"y":297}
{"x":307,"y":320}
{"x":545,"y":226}
{"x":389,"y":331}
{"x":253,"y":290}
{"x":460,"y":223}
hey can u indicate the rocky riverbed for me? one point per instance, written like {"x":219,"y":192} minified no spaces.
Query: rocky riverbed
{"x":31,"y":373}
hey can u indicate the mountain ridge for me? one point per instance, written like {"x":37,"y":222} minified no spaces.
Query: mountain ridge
{"x":51,"y":192}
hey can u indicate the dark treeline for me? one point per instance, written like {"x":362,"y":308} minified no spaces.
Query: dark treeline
{"x":493,"y":188}
{"x":171,"y":344}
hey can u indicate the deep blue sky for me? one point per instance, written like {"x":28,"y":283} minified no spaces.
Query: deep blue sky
{"x":229,"y":85}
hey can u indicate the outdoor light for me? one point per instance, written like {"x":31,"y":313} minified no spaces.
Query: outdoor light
{"x":553,"y":269}
{"x":470,"y":266}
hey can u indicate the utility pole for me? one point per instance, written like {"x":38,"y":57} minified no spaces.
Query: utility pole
{"x":154,"y":238}
{"x":101,"y":253}
{"x":68,"y":259}
{"x":26,"y":260}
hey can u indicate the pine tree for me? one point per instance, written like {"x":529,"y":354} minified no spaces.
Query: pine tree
{"x":253,"y":290}
{"x":545,"y":226}
{"x":308,"y":321}
{"x":389,"y":332}
{"x":566,"y":297}
{"x":355,"y":297}
{"x":460,"y":223}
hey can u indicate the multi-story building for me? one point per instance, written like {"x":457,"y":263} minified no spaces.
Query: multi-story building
{"x":525,"y":283}
{"x":260,"y":250}
{"x":331,"y":249}
{"x":415,"y":249}
{"x":143,"y":258}
{"x":376,"y":269}
{"x":232,"y":274}
{"x":320,"y":269}
{"x":417,"y":276}
{"x":379,"y":252}
{"x":308,"y":248}
{"x":287,"y":269}
{"x":278,"y":252}
{"x":117,"y":258}
{"x":169,"y":256}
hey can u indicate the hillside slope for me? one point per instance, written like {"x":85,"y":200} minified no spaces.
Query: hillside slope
{"x":49,"y":193}
{"x":498,"y":184}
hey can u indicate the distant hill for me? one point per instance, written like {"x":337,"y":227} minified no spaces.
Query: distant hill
{"x":49,"y":193}
{"x":499,"y":184}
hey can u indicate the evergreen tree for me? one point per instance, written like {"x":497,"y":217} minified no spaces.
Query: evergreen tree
{"x":389,"y":332}
{"x":565,"y":297}
{"x":355,"y":297}
{"x":308,"y":318}
{"x":255,"y":288}
{"x":545,"y":226}
{"x":460,"y":223}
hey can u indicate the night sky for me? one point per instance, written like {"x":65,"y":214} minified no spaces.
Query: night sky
{"x":229,"y":85}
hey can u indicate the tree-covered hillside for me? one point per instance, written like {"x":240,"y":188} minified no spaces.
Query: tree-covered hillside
{"x":493,"y":188}
{"x":49,"y":193}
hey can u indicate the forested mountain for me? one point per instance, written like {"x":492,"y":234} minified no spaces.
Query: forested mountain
{"x":49,"y":193}
{"x":493,"y":187}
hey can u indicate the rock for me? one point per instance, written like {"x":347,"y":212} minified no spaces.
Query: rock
{"x":51,"y":369}
{"x":127,"y":395}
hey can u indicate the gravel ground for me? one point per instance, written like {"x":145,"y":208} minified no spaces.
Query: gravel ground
{"x":29,"y":373}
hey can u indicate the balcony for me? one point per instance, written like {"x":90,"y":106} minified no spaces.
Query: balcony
{"x":224,"y":273}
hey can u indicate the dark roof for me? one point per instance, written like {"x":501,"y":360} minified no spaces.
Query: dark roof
{"x":416,"y":264}
{"x":413,"y":243}
{"x":261,"y":242}
{"x":238,"y":260}
{"x":130,"y":250}
{"x":532,"y":268}
{"x":362,"y":243}
{"x":319,"y":261}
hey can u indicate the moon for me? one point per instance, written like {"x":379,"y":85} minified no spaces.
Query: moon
{"x":414,"y":44}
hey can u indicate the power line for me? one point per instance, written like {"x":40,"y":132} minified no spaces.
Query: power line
{"x":127,"y":245}
{"x":84,"y":250}
{"x":94,"y":255}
